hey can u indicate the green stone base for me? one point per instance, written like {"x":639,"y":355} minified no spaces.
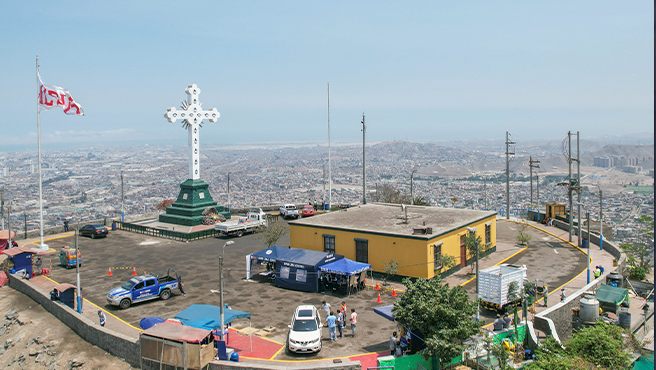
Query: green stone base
{"x":187,"y":210}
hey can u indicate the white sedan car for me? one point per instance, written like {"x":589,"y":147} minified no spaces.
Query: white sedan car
{"x":305,"y":330}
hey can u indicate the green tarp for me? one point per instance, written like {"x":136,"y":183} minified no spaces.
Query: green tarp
{"x":611,"y":294}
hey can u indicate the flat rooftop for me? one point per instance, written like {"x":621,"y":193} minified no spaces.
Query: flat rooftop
{"x":384,"y":218}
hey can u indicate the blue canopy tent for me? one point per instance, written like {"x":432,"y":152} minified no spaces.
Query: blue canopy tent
{"x":352,"y":270}
{"x":205,"y":316}
{"x":298,"y":269}
{"x":148,"y":322}
{"x":269,"y":255}
{"x":385,"y":311}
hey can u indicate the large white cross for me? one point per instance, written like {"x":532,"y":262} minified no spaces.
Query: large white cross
{"x":192,"y":115}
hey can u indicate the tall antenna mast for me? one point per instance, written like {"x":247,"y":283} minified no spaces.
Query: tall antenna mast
{"x":508,"y":154}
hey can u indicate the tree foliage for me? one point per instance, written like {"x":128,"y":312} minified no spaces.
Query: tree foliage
{"x":387,"y":193}
{"x":274,"y":231}
{"x":473,"y":243}
{"x":420,"y":201}
{"x":600,"y":346}
{"x":444,"y":262}
{"x":444,"y":315}
{"x":166,"y":203}
{"x":522,"y":236}
{"x":638,"y":254}
{"x":390,"y":268}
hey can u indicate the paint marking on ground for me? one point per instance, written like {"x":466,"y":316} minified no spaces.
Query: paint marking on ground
{"x":555,"y":251}
{"x":107,"y":312}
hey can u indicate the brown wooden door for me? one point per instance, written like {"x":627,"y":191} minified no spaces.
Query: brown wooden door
{"x":463,"y":252}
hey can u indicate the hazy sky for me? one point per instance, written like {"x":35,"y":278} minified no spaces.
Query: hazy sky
{"x":421,"y":71}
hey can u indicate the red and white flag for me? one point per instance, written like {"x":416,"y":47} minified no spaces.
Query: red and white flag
{"x":51,"y":96}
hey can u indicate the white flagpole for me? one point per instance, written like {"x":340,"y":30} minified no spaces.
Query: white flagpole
{"x":38,"y":128}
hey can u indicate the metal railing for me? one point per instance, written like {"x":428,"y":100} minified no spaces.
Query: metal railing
{"x":167,"y":234}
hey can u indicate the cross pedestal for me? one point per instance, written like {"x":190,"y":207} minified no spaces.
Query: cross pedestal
{"x":194,"y":194}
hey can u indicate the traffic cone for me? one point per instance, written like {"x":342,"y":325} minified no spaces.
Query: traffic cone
{"x":379,"y":300}
{"x":377,"y":286}
{"x":394,"y":291}
{"x":134,"y":271}
{"x":110,"y":272}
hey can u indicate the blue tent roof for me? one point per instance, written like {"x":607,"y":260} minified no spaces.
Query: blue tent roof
{"x":385,"y":311}
{"x":270,"y":254}
{"x":308,"y":257}
{"x":345,"y":266}
{"x":149,"y":322}
{"x":205,"y":316}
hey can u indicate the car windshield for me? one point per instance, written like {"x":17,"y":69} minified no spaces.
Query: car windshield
{"x":304,"y":325}
{"x":129,"y":284}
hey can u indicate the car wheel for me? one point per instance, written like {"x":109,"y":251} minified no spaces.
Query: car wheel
{"x":93,"y":236}
{"x":165,"y":294}
{"x":124,"y":304}
{"x":240,"y":233}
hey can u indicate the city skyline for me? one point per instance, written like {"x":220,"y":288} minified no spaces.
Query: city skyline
{"x":420,"y":71}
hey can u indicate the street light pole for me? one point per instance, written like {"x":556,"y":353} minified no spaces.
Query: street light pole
{"x":412,"y":197}
{"x":364,"y":167}
{"x":587,"y":216}
{"x":122,"y":200}
{"x":508,"y":154}
{"x":229,"y":242}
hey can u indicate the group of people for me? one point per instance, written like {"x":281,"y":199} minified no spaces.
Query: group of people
{"x":400,"y":345}
{"x":337,"y":322}
{"x":502,"y":322}
{"x":315,"y":205}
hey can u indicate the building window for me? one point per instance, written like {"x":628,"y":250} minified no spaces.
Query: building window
{"x":437,"y":256}
{"x":488,"y":234}
{"x":329,"y":243}
{"x":362,"y":250}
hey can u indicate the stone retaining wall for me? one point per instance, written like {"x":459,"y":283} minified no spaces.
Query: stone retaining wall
{"x":226,"y":365}
{"x":108,"y":340}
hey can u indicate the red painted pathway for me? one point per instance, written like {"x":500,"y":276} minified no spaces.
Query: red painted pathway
{"x":263,"y":349}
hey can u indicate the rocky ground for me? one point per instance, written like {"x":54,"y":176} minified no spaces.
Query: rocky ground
{"x":31,"y":338}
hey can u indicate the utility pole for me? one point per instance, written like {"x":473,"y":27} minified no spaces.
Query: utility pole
{"x":587,"y":216}
{"x":25,"y":217}
{"x":122,"y":200}
{"x":531,"y":165}
{"x":9,"y":224}
{"x":330,"y":178}
{"x":2,"y":207}
{"x":537,"y":184}
{"x":229,"y":191}
{"x":364,"y":167}
{"x":578,"y":186}
{"x":324,"y":182}
{"x":601,"y":221}
{"x":412,"y":196}
{"x":508,"y":154}
{"x":485,"y":191}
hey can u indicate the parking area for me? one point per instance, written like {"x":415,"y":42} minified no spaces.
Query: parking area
{"x":198,"y":263}
{"x":547,"y":259}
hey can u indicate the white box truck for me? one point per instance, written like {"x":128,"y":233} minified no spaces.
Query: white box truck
{"x":494,"y":283}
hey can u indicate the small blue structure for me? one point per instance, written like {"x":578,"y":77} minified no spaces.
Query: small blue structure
{"x":67,"y":294}
{"x":148,"y":322}
{"x":22,"y":259}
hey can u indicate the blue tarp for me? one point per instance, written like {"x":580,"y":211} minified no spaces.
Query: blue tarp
{"x":270,"y":254}
{"x":205,"y":316}
{"x":345,"y":266}
{"x":298,"y":269}
{"x":149,"y":322}
{"x":385,"y":311}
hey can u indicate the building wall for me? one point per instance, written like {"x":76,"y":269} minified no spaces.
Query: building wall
{"x":415,"y":255}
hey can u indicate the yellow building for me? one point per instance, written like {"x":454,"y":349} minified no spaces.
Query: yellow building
{"x":414,"y":236}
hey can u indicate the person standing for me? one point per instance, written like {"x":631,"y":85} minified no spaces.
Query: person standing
{"x":392,"y":343}
{"x":180,"y":286}
{"x":102,"y":318}
{"x":66,"y":225}
{"x":498,"y":323}
{"x":597,"y":272}
{"x":545,"y":295}
{"x":562,"y":294}
{"x":354,"y":321}
{"x":38,"y":264}
{"x":343,"y":308}
{"x":340,"y":323}
{"x":331,"y":322}
{"x":326,"y":308}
